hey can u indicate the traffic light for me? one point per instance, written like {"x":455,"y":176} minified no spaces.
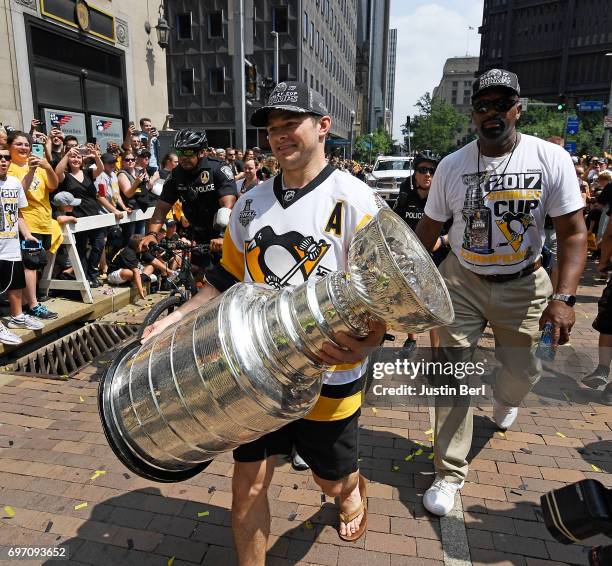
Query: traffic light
{"x":407,"y":121}
{"x":561,"y":103}
{"x":251,"y":81}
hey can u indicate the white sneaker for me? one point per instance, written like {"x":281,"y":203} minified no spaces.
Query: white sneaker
{"x":503,"y":415}
{"x":26,"y":321}
{"x":7,"y":337}
{"x":439,"y":499}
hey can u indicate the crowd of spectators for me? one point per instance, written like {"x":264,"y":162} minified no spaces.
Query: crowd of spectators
{"x":64,"y":181}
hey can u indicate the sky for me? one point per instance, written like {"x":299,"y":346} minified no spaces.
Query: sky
{"x":428,"y":33}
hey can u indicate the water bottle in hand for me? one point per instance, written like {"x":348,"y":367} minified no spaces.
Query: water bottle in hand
{"x":545,"y":350}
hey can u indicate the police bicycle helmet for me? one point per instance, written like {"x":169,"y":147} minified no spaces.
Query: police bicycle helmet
{"x":189,"y":139}
{"x":425,"y":155}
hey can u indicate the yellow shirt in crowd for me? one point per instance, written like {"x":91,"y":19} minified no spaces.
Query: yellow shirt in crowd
{"x":38,"y":212}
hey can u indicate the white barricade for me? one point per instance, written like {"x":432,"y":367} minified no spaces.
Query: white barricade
{"x":83,"y":224}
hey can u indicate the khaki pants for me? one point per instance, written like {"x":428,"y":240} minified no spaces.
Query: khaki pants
{"x":513,"y":310}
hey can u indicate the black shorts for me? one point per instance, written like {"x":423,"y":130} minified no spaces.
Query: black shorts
{"x":603,"y":321}
{"x":330,"y":448}
{"x":11,"y":275}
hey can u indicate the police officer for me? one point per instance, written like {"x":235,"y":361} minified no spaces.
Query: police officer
{"x":202,"y":184}
{"x":410,"y":205}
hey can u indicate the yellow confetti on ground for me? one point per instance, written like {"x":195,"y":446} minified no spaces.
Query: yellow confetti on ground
{"x":430,"y":431}
{"x":501,"y":434}
{"x":409,"y":457}
{"x":430,"y":456}
{"x":595,"y":468}
{"x":395,"y":468}
{"x":308,"y":525}
{"x":80,"y":506}
{"x":81,"y":399}
{"x":203,"y":513}
{"x":170,"y":561}
{"x":374,"y":410}
{"x":561,"y":435}
{"x":97,"y":474}
{"x":9,"y":511}
{"x":418,"y":452}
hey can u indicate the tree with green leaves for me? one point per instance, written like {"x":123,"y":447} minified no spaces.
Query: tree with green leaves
{"x":545,"y":122}
{"x":368,"y":146}
{"x":436,"y":125}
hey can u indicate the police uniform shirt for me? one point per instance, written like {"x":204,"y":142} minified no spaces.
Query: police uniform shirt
{"x":498,"y":204}
{"x":282,"y":236}
{"x":199,"y":191}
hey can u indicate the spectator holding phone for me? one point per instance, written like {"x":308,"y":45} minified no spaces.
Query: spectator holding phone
{"x":79,"y":182}
{"x":129,"y":183}
{"x":38,"y":180}
{"x":55,"y":146}
{"x":149,"y":140}
{"x":12,"y":275}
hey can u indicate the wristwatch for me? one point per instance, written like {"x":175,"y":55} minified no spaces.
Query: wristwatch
{"x":569,"y":300}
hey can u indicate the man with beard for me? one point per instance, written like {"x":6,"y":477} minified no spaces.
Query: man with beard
{"x":498,"y":189}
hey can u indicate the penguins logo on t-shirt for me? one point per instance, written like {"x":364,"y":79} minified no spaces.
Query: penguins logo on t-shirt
{"x":285,"y":259}
{"x":513,"y":227}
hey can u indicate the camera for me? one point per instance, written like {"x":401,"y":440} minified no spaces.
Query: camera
{"x":579,"y":511}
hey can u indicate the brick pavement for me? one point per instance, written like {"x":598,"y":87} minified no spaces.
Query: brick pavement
{"x":51,"y":446}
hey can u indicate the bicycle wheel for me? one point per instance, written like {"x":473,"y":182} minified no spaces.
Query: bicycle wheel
{"x":161,"y":309}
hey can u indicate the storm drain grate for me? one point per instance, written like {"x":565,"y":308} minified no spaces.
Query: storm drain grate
{"x":66,"y":356}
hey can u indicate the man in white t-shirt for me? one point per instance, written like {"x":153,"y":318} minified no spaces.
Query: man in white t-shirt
{"x":250,"y":178}
{"x":498,"y":190}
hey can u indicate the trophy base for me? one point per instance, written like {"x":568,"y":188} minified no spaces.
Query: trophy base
{"x":119,"y":446}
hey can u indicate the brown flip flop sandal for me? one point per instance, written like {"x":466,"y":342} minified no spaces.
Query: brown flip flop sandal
{"x":361,"y":509}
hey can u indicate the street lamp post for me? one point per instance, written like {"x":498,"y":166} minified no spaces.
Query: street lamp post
{"x":351,"y":134}
{"x":276,"y":56}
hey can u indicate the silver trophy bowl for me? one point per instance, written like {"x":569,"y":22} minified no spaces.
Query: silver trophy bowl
{"x":245,"y":364}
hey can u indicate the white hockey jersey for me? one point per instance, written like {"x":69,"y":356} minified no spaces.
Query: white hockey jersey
{"x":282,"y":236}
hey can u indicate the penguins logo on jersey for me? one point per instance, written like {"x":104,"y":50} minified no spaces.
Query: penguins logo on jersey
{"x":513,"y":227}
{"x":285,"y":259}
{"x":288,"y":196}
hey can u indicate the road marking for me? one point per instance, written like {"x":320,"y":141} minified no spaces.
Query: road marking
{"x":453,"y":534}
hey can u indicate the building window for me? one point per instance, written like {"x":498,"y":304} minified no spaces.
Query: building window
{"x":183,"y":26}
{"x":311,"y":81}
{"x":317,"y":85}
{"x":215,"y":24}
{"x":283,"y":72}
{"x":187,"y":81}
{"x":317,"y":41}
{"x":322,"y":49}
{"x":305,"y":76}
{"x":312,"y":35}
{"x":455,"y":84}
{"x":216,"y":80}
{"x":305,"y":27}
{"x":280,"y":21}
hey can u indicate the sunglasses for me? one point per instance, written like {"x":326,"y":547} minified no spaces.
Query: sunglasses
{"x":425,"y":170}
{"x":5,"y":156}
{"x":186,"y":152}
{"x":129,"y":159}
{"x":500,"y":105}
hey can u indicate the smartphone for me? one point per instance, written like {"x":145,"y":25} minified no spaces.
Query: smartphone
{"x":83,"y":150}
{"x":29,"y":245}
{"x":38,"y":150}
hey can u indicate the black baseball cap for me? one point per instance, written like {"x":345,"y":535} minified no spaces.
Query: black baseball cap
{"x":495,"y":78}
{"x":108,"y":158}
{"x":292,"y":96}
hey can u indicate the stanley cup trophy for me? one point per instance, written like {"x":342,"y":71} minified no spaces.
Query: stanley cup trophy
{"x":245,"y":364}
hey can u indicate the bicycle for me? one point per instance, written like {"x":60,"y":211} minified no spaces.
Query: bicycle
{"x":182,"y":285}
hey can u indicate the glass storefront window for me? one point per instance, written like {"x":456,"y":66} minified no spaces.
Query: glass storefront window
{"x":57,"y":89}
{"x":103,"y":98}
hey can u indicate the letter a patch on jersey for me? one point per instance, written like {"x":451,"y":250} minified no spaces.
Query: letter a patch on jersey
{"x":334,"y":222}
{"x":285,"y":259}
